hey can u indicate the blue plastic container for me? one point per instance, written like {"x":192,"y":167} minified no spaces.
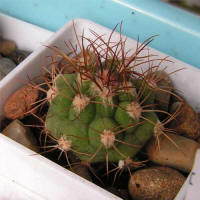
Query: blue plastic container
{"x":178,"y":30}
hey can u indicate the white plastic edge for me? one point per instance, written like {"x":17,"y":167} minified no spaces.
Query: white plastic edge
{"x":41,"y":178}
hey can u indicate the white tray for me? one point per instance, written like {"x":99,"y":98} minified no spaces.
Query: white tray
{"x":43,"y":177}
{"x":27,"y":37}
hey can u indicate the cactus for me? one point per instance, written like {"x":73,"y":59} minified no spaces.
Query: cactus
{"x":103,"y":111}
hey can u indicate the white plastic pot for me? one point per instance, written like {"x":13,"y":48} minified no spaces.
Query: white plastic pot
{"x":37,"y":176}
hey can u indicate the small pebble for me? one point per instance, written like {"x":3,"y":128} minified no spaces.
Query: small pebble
{"x":66,"y":67}
{"x":186,"y":122}
{"x":162,"y":99}
{"x":156,"y":183}
{"x":16,"y":131}
{"x":6,"y":65}
{"x":173,"y":150}
{"x":7,"y":47}
{"x":20,"y":102}
{"x":82,"y":171}
{"x":79,"y":168}
{"x":19,"y":55}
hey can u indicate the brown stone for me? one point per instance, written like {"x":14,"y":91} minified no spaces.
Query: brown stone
{"x":173,"y":150}
{"x":156,"y":183}
{"x":162,"y":98}
{"x":7,"y":47}
{"x":19,"y":103}
{"x":186,"y":122}
{"x":66,"y":67}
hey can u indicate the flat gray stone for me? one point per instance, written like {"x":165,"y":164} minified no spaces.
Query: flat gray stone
{"x":21,"y":134}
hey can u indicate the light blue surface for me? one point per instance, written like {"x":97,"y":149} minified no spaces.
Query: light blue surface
{"x":179,"y":31}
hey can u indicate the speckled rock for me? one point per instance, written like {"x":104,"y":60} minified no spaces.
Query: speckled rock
{"x":16,"y":131}
{"x":187,"y":122}
{"x":20,"y":102}
{"x":156,"y":183}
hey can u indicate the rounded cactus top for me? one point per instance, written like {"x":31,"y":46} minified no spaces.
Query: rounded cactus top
{"x":104,"y":110}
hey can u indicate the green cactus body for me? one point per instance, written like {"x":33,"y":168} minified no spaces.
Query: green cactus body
{"x":146,"y":90}
{"x":99,"y":118}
